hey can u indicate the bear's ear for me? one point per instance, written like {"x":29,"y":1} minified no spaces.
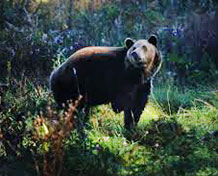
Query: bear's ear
{"x":128,"y":42}
{"x":153,"y":40}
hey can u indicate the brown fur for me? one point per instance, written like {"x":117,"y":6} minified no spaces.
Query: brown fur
{"x":109,"y":75}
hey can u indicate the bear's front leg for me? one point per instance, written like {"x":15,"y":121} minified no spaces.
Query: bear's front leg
{"x":128,"y":119}
{"x":131,"y":117}
{"x":137,"y":104}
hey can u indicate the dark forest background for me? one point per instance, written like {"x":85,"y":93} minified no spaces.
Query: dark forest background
{"x":34,"y":33}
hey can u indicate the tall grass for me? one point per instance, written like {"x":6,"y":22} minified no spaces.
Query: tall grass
{"x":176,"y":135}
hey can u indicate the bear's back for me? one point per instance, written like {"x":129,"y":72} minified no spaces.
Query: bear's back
{"x":100,"y":72}
{"x":99,"y":52}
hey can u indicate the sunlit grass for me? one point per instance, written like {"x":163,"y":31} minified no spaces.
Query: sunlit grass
{"x":202,"y":119}
{"x":157,"y":143}
{"x":181,"y":141}
{"x":151,"y":112}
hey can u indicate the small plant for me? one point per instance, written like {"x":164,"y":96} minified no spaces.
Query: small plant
{"x":50,"y":131}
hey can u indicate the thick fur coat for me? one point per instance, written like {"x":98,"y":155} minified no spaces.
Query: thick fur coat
{"x":117,"y":75}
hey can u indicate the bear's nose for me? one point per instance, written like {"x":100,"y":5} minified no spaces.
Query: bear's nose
{"x":135,"y":55}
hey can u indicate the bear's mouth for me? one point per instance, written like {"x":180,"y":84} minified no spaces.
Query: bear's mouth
{"x":136,"y":63}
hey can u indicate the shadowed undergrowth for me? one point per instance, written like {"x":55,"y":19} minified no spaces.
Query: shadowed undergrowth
{"x":177,"y":135}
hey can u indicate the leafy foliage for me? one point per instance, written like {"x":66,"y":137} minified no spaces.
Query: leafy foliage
{"x":38,"y":31}
{"x":180,"y":139}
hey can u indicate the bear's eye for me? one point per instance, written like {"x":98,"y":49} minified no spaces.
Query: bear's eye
{"x":133,"y":48}
{"x":144,"y":47}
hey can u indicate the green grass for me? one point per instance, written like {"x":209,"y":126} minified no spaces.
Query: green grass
{"x":176,"y":135}
{"x":176,"y":141}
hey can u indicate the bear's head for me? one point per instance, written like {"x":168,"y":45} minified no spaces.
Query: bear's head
{"x":144,"y":55}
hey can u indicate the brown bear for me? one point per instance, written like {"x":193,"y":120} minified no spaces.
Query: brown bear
{"x":117,"y":75}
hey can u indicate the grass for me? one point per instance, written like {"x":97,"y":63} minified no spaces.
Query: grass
{"x":177,"y":135}
{"x":178,"y":141}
